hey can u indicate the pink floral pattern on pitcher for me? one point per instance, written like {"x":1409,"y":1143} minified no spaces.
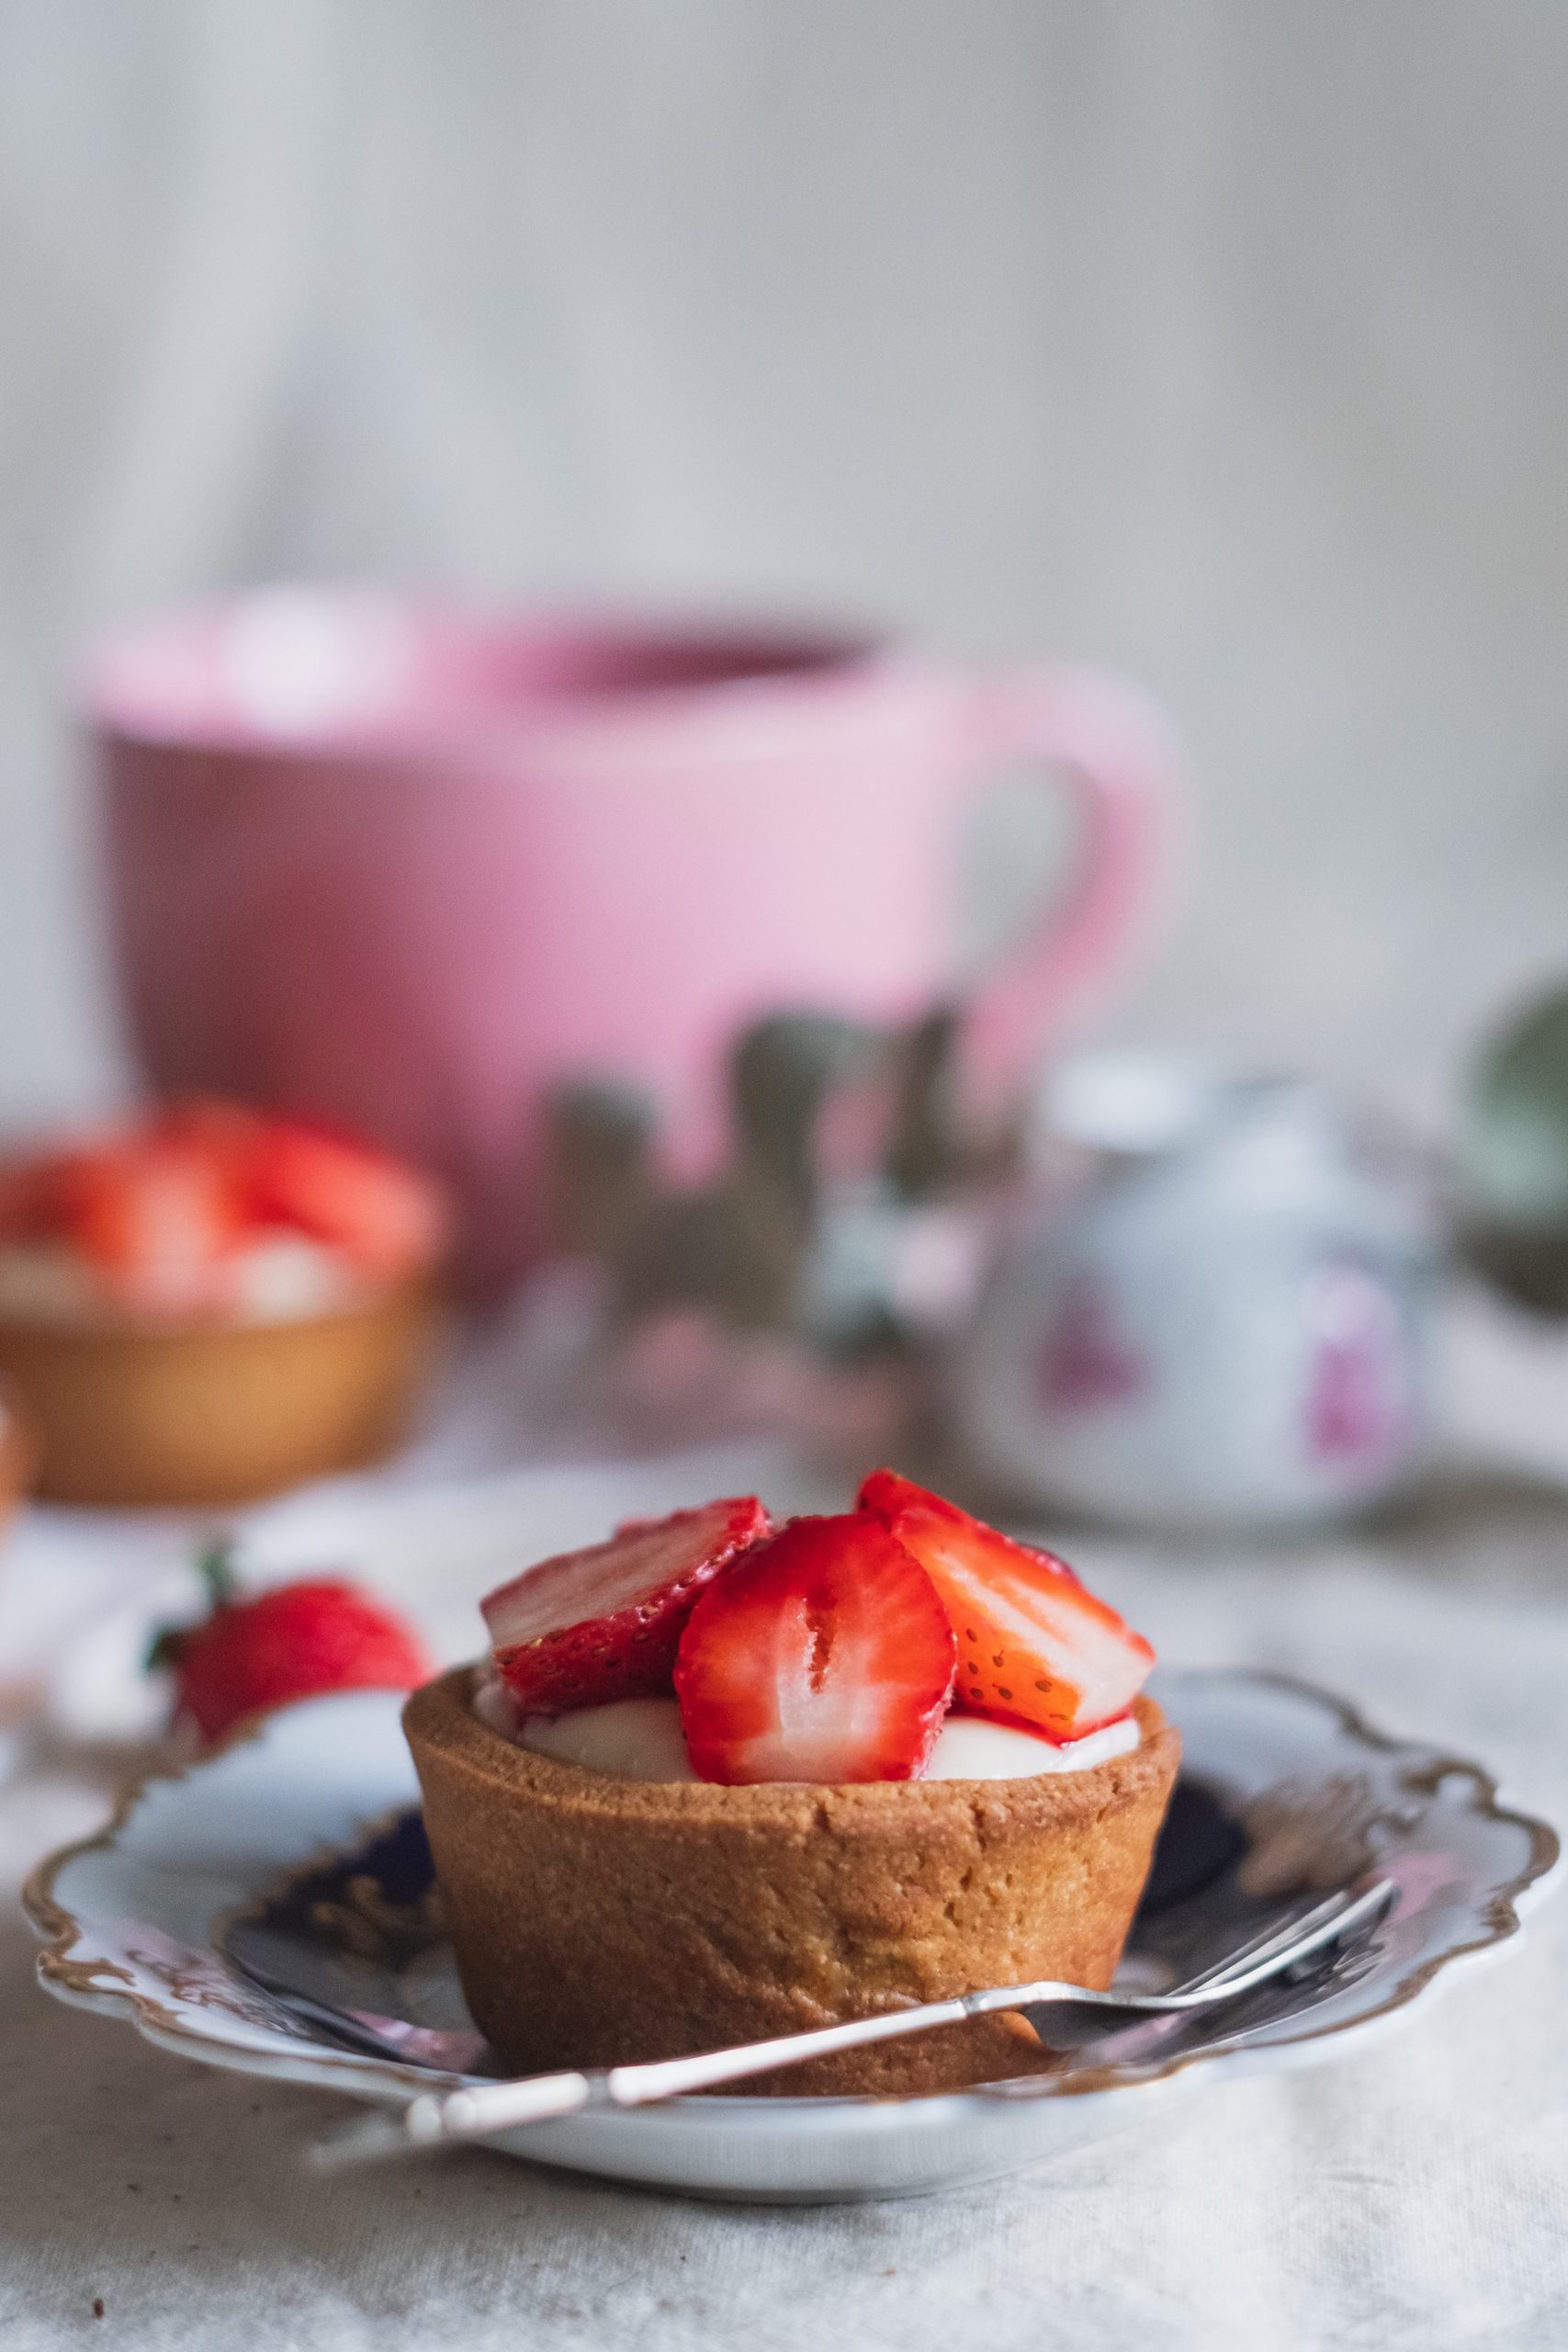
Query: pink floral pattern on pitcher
{"x":1356,"y":1408}
{"x":1084,"y":1364}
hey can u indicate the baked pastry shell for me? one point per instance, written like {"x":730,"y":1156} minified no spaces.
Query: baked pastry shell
{"x":597,"y":1920}
{"x":213,"y":1411}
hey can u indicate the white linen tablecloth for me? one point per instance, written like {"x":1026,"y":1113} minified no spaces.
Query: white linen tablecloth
{"x":1414,"y":2195}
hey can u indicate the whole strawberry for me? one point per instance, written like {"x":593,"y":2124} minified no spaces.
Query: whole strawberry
{"x":293,"y":1641}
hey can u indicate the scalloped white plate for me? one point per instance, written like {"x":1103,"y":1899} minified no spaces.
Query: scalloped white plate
{"x":277,"y":1850}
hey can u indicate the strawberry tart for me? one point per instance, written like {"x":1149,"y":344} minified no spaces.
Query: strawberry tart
{"x":717,"y":1781}
{"x":209,"y":1303}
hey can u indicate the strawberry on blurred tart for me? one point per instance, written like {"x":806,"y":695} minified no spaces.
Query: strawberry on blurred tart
{"x":716,"y":1781}
{"x":208,"y":1304}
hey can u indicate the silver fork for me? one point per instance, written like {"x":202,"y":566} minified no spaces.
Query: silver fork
{"x":1065,"y":2017}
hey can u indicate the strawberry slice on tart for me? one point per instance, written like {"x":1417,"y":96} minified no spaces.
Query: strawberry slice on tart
{"x":826,"y":1655}
{"x":588,"y":1627}
{"x":155,"y":1220}
{"x":1032,"y":1643}
{"x":386,"y":1216}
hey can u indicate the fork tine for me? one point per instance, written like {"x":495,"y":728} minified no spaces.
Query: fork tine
{"x":1309,"y":1935}
{"x":1268,"y":1940}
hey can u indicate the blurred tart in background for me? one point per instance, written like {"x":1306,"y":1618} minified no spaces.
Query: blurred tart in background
{"x":208,"y":1303}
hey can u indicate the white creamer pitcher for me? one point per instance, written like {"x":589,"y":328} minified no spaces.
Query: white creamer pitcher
{"x":1220,"y":1323}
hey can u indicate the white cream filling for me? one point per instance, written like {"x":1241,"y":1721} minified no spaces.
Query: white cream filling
{"x":969,"y":1748}
{"x":40,"y":1283}
{"x":282,"y":1278}
{"x":641,"y":1739}
{"x":288,"y":1277}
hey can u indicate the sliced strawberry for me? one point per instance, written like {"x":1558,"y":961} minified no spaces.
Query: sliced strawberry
{"x":388,"y":1218}
{"x":227,"y":1134}
{"x":587,"y":1627}
{"x":32,"y":1191}
{"x":156,"y":1219}
{"x":825,"y":1655}
{"x":1032,"y":1642}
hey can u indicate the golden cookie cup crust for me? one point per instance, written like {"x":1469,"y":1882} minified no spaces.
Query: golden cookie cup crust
{"x":216,"y":1412}
{"x":597,"y":1920}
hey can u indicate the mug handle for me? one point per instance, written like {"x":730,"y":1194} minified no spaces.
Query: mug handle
{"x":1113,"y":750}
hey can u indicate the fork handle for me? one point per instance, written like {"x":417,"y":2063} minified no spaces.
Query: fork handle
{"x":478,"y":2110}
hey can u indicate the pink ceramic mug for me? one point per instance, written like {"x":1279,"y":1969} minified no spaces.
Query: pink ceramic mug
{"x":410,"y":869}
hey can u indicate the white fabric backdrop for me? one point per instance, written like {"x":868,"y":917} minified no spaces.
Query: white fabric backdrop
{"x":1223,"y":341}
